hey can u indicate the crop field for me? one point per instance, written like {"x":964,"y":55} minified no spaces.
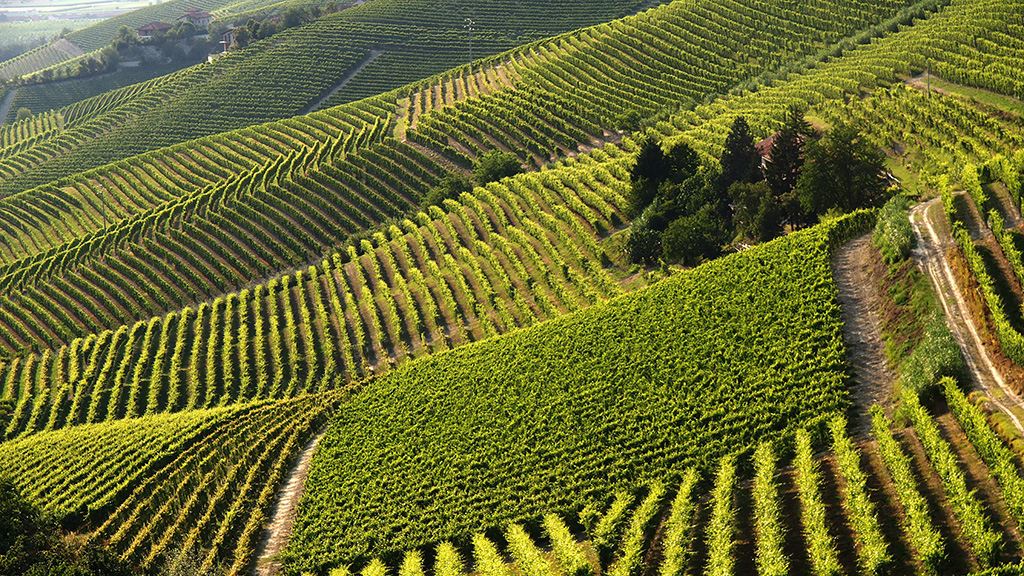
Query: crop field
{"x":342,"y":302}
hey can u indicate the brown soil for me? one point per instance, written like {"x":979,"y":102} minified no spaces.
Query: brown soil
{"x":860,"y":303}
{"x":283,"y":514}
{"x":838,"y":526}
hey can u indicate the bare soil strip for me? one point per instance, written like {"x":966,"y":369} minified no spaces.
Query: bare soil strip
{"x":930,"y":254}
{"x":282,"y":516}
{"x":373,"y":55}
{"x":865,"y":351}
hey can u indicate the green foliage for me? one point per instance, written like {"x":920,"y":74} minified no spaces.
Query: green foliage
{"x":679,"y":528}
{"x":872,"y":551}
{"x":451,"y":187}
{"x":993,"y":451}
{"x":771,"y":560}
{"x":916,"y":520}
{"x":841,"y":171}
{"x":32,"y":543}
{"x":567,"y":551}
{"x":977,"y":529}
{"x":494,"y":166}
{"x":528,"y":558}
{"x":893,"y":235}
{"x":696,"y":237}
{"x":639,"y":368}
{"x":785,"y":161}
{"x":606,"y":532}
{"x":740,"y":160}
{"x":758,"y":213}
{"x":721,"y":528}
{"x":23,"y":114}
{"x":631,"y":552}
{"x":412,"y":564}
{"x":820,"y":545}
{"x":448,"y":561}
{"x":105,"y":458}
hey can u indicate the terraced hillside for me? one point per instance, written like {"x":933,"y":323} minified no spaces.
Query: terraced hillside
{"x":200,"y":313}
{"x":287,"y":74}
{"x":293,"y":70}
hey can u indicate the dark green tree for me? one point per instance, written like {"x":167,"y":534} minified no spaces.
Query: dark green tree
{"x":32,"y":544}
{"x":741,"y":162}
{"x":695,"y":237}
{"x":758,"y":214}
{"x":646,"y":176}
{"x":451,"y":186}
{"x":494,"y":166}
{"x":643,"y":245}
{"x":782,"y":170}
{"x":242,"y":37}
{"x":842,"y":171}
{"x":293,"y":17}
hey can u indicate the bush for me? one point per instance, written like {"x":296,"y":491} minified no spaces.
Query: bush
{"x":692,"y":239}
{"x":32,"y":543}
{"x":494,"y":166}
{"x":450,"y":187}
{"x":894,"y":236}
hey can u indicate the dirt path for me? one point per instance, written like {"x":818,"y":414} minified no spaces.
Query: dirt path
{"x":865,"y":351}
{"x":930,"y":254}
{"x":373,"y":55}
{"x":282,"y":515}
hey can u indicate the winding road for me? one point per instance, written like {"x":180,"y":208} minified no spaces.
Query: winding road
{"x":931,"y":255}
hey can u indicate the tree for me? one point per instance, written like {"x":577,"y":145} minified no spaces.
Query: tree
{"x":694,"y":238}
{"x":293,"y":17}
{"x":842,"y":171}
{"x":32,"y":543}
{"x":242,"y":37}
{"x":782,"y":170}
{"x":23,"y":113}
{"x":643,"y":244}
{"x":452,"y":186}
{"x":758,"y":214}
{"x":495,"y":165}
{"x":125,"y":37}
{"x":646,"y":176}
{"x":741,"y":162}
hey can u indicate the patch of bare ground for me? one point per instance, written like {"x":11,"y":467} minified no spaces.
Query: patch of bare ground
{"x":744,"y":549}
{"x":838,"y":526}
{"x":282,"y":515}
{"x":794,"y":546}
{"x":859,"y":304}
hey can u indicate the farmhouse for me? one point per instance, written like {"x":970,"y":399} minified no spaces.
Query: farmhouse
{"x":196,"y":16}
{"x":228,"y":39}
{"x":147,"y":31}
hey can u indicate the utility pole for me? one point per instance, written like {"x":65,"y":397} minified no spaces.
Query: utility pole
{"x":469,"y":26}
